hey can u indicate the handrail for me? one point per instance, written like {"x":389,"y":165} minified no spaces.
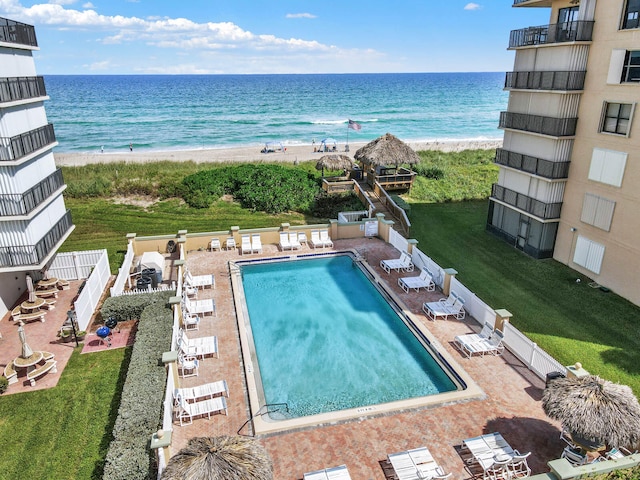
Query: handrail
{"x":19,"y":146}
{"x":364,"y":197}
{"x":396,"y":210}
{"x":21,"y":88}
{"x":260,"y":413}
{"x":554,"y":126}
{"x":548,"y":80}
{"x":526,"y":203}
{"x":17,"y":32}
{"x":577,"y":31}
{"x":535,"y":165}
{"x":14,"y":204}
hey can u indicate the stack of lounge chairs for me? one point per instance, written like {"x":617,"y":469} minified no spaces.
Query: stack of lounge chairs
{"x":487,"y":341}
{"x":403,"y":263}
{"x":452,"y":306}
{"x":424,"y":280}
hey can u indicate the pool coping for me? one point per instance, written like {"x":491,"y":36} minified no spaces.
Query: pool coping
{"x":471,"y":390}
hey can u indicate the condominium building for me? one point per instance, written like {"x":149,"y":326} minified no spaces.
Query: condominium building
{"x":33,"y":219}
{"x":569,"y":181}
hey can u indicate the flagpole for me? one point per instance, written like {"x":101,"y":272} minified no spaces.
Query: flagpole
{"x":346,"y":148}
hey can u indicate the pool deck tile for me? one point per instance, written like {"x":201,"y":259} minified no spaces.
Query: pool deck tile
{"x":512,"y":405}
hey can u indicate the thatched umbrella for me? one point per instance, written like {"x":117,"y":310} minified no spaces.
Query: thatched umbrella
{"x":594,"y":409}
{"x":220,"y":458}
{"x":334,"y":162}
{"x":386,"y":150}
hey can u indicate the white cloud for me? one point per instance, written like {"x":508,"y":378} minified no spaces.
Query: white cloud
{"x":62,"y":2}
{"x":99,"y":66}
{"x":300,"y":15}
{"x":88,"y":5}
{"x":472,"y":6}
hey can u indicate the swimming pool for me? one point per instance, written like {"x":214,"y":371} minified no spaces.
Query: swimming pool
{"x":324,"y":338}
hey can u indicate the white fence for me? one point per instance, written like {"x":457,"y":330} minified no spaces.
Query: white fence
{"x":539,"y":361}
{"x":421,"y":260}
{"x":88,"y":299}
{"x":74,"y":265}
{"x":123,"y":272}
{"x":398,"y":241}
{"x":473,"y":305}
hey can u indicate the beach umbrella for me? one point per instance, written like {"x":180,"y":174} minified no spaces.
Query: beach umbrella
{"x":600,"y":411}
{"x":30,"y":289}
{"x":26,"y":349}
{"x":385,"y":150}
{"x":220,"y":458}
{"x":334,"y":162}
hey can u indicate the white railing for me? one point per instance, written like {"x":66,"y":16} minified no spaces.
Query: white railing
{"x":539,"y":361}
{"x":347,"y":217}
{"x":123,"y":273}
{"x":398,"y":241}
{"x":74,"y":265}
{"x":159,"y":288}
{"x":473,"y":305}
{"x":362,"y":195}
{"x":92,"y":291}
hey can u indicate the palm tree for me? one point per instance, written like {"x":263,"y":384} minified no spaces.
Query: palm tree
{"x":220,"y":458}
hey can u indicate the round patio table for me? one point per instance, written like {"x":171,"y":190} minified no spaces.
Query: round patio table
{"x":28,"y":362}
{"x":28,"y":306}
{"x":46,"y":283}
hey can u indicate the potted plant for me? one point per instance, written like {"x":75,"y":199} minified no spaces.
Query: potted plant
{"x":80,"y":335}
{"x":65,"y":335}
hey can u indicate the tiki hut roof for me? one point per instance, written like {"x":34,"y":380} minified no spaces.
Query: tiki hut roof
{"x":386,"y":150}
{"x":334,"y":162}
{"x":594,"y":409}
{"x":220,"y":458}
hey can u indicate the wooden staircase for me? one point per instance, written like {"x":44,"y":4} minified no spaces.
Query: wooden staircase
{"x":380,"y":207}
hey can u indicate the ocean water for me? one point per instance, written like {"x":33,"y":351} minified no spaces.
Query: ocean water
{"x":165,"y":112}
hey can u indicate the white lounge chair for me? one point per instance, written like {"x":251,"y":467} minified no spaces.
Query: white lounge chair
{"x":325,"y":239}
{"x":198,"y":347}
{"x":416,"y":464}
{"x":186,"y":412}
{"x":199,"y":281}
{"x":190,"y":322}
{"x":424,"y":280}
{"x":293,"y":241}
{"x":435,"y":310}
{"x":403,"y":263}
{"x":230,"y":244}
{"x":481,"y":346}
{"x":334,"y":473}
{"x":315,"y":241}
{"x":302,"y":238}
{"x":285,"y":244}
{"x":193,"y":307}
{"x":256,"y":243}
{"x":215,"y":244}
{"x":450,"y":300}
{"x":188,"y":365}
{"x":245,"y":245}
{"x":485,"y":333}
{"x":210,"y":390}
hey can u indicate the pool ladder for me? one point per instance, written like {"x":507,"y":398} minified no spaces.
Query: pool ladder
{"x":264,"y":410}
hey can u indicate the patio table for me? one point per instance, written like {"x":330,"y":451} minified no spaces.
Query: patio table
{"x":29,"y":307}
{"x":45,"y":284}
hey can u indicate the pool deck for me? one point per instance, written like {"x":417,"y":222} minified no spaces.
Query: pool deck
{"x":511,"y":404}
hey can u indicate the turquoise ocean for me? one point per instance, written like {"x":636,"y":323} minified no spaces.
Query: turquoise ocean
{"x":182,"y":112}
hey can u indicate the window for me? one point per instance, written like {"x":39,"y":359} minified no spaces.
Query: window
{"x":617,"y":118}
{"x":631,"y":68}
{"x":588,"y":254}
{"x":597,"y":211}
{"x":607,"y":166}
{"x":631,"y":13}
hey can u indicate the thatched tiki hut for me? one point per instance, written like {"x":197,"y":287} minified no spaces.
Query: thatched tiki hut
{"x":382,"y":159}
{"x":335,"y":162}
{"x":220,"y":458}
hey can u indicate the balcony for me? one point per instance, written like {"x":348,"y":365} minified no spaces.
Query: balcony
{"x":15,"y":148}
{"x":545,"y":80}
{"x":555,"y":127}
{"x":18,"y":33}
{"x":578,"y":31}
{"x":13,"y":89}
{"x":545,"y":211}
{"x":23,"y":204}
{"x":26,"y":255}
{"x":534,"y":165}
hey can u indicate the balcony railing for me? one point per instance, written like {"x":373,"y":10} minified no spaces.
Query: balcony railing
{"x":578,"y":31}
{"x":21,"y":88}
{"x":15,"y":148}
{"x":23,"y":204}
{"x":25,"y":255}
{"x":527,"y":204}
{"x":557,"y":127}
{"x":537,"y":166}
{"x":545,"y":80}
{"x":18,"y":33}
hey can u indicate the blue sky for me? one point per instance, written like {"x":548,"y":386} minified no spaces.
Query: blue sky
{"x":271,"y":36}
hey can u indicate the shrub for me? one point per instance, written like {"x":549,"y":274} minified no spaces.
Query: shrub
{"x":4,"y":384}
{"x":329,"y":205}
{"x":435,"y":173}
{"x":401,"y":203}
{"x":130,"y":307}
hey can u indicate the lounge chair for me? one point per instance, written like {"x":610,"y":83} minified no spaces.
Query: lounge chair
{"x":416,"y":464}
{"x":185,"y":411}
{"x":334,"y":473}
{"x":325,"y":239}
{"x":481,"y":346}
{"x":188,"y":365}
{"x":285,"y":244}
{"x":256,"y":243}
{"x":424,"y":280}
{"x":215,"y":244}
{"x":194,"y":307}
{"x":450,"y":300}
{"x":293,"y":241}
{"x":403,"y":263}
{"x":485,"y":333}
{"x":245,"y":245}
{"x":302,"y":238}
{"x":210,"y":390}
{"x":199,"y":281}
{"x":315,"y":241}
{"x":230,"y":244}
{"x":575,"y":456}
{"x":435,"y":310}
{"x":197,"y":347}
{"x":190,"y":322}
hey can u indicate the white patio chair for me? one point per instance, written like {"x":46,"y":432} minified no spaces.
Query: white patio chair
{"x":193,"y":307}
{"x":215,"y":244}
{"x":293,"y":241}
{"x":230,"y":244}
{"x":199,"y":281}
{"x":315,"y":241}
{"x":424,"y":280}
{"x":186,"y":412}
{"x":403,"y":263}
{"x":245,"y":245}
{"x":199,"y":392}
{"x":285,"y":244}
{"x":574,"y":456}
{"x":256,"y":243}
{"x":199,"y":346}
{"x":302,"y":238}
{"x":188,"y":365}
{"x":190,"y":322}
{"x":518,"y":467}
{"x":485,"y":333}
{"x":325,"y":239}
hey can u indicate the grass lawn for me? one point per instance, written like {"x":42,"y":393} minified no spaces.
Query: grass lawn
{"x":571,"y":321}
{"x":64,"y":432}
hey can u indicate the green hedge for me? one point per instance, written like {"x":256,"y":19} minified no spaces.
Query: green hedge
{"x":129,"y":456}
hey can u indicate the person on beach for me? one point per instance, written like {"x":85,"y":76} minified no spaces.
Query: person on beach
{"x":102,"y":149}
{"x":131,"y":147}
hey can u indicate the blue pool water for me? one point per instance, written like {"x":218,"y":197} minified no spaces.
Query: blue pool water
{"x":327,"y":340}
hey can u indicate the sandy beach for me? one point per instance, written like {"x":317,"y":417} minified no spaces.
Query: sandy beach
{"x":293,"y":154}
